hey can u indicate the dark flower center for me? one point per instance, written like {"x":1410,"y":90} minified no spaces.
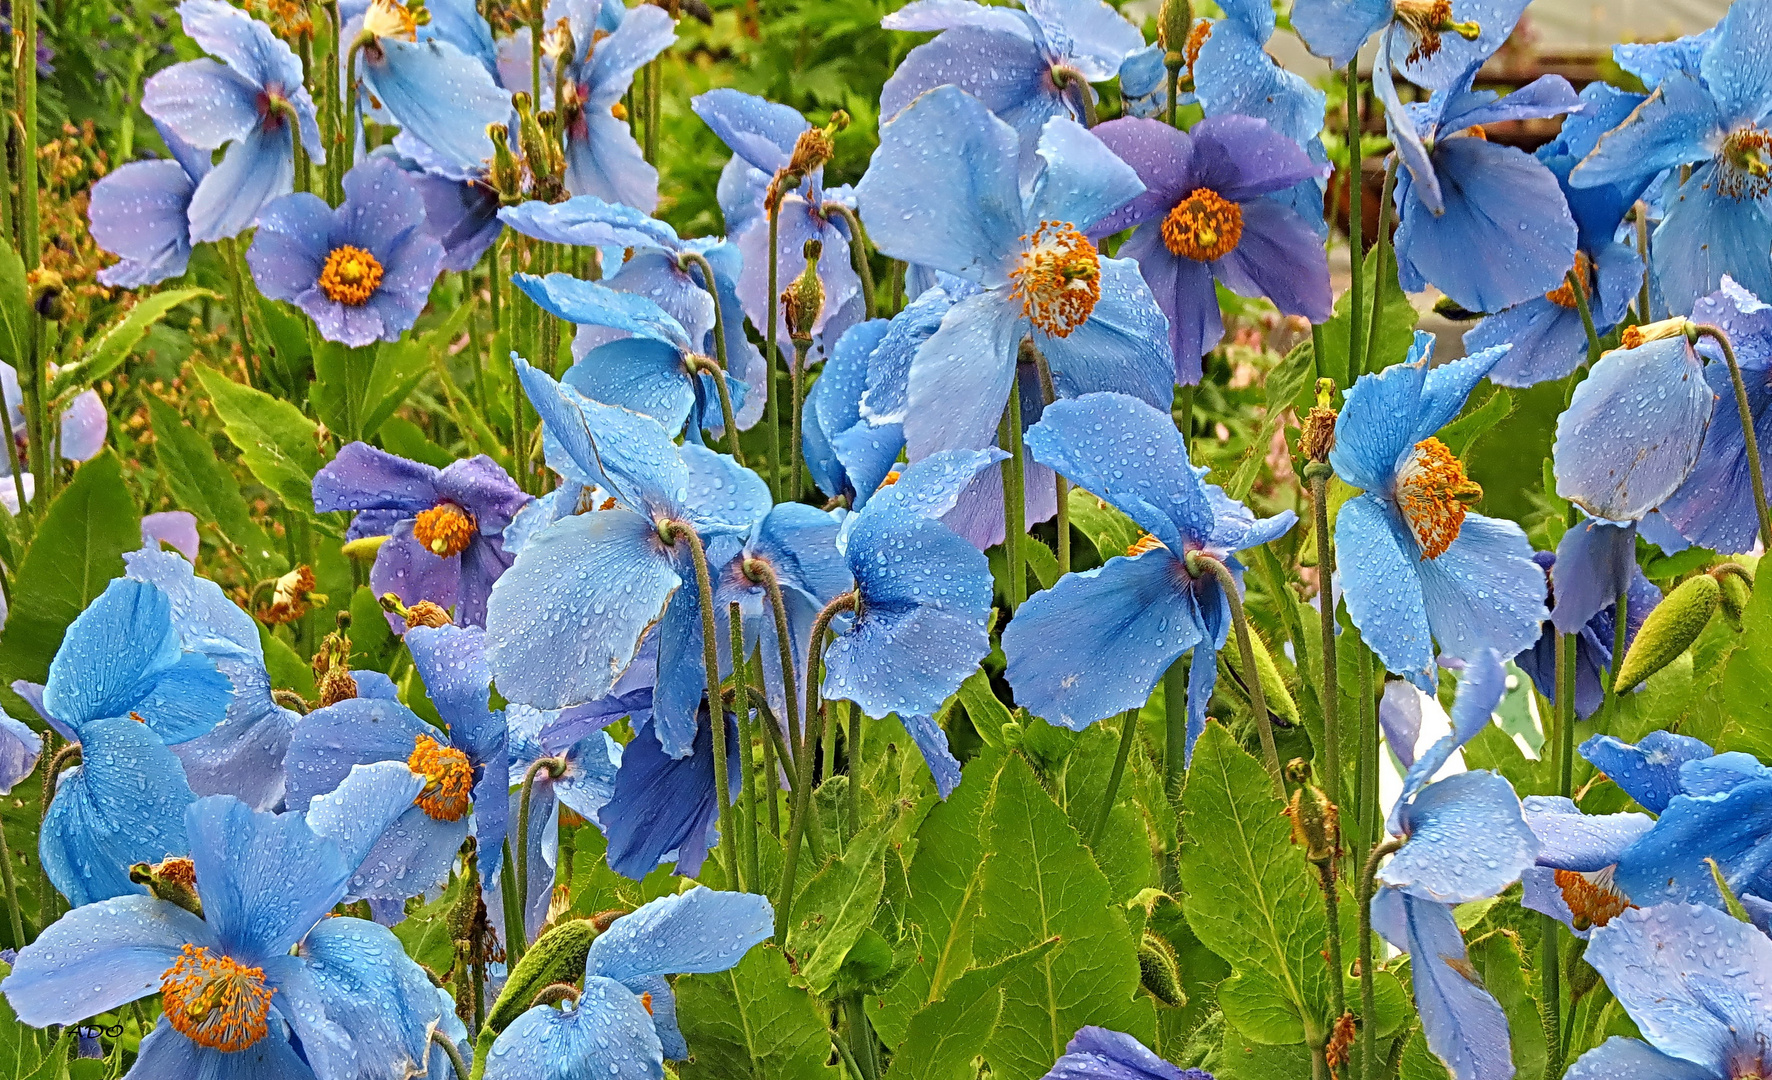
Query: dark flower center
{"x":1432,"y":492}
{"x":1563,"y":296}
{"x":449,"y":779}
{"x":444,"y":529}
{"x":350,"y":276}
{"x":215,"y":1001}
{"x":1203,"y":227}
{"x":1058,"y":279}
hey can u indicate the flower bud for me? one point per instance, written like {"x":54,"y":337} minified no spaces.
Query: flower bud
{"x":506,"y":175}
{"x":1738,"y":589}
{"x":1316,"y":824}
{"x":1669,"y":630}
{"x":47,"y":292}
{"x":558,"y":956}
{"x":364,"y":548}
{"x":802,"y":302}
{"x":1159,"y":970}
{"x":1318,"y":437}
{"x":1638,"y":336}
{"x":1174,"y":21}
{"x":173,"y":879}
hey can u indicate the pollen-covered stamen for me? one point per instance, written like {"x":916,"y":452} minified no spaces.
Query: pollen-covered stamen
{"x":1203,"y":227}
{"x":1747,"y":158}
{"x":1432,"y":492}
{"x":1563,"y":296}
{"x":1426,"y":20}
{"x":1594,"y":899}
{"x":215,"y":1001}
{"x":1144,"y":543}
{"x":1058,"y":279}
{"x":445,"y":529}
{"x":390,"y":18}
{"x":350,"y":276}
{"x":1196,"y":40}
{"x":448,"y":793}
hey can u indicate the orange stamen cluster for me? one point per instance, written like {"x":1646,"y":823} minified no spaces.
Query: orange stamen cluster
{"x":215,"y":1001}
{"x":291,"y":597}
{"x":1748,"y":154}
{"x":449,"y":779}
{"x":390,"y":19}
{"x":1424,"y":20}
{"x":1203,"y":227}
{"x":1432,"y":491}
{"x":1196,"y":40}
{"x":1144,"y":543}
{"x":350,"y":276}
{"x":891,"y":478}
{"x":445,"y":529}
{"x":1059,"y":278}
{"x":1592,"y":898}
{"x":1563,"y":296}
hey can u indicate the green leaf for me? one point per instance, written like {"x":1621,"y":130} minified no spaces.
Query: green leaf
{"x":288,"y":671}
{"x":21,"y":1047}
{"x":750,"y":1023}
{"x":945,"y":1037}
{"x":341,"y":385}
{"x":1040,"y":883}
{"x":403,"y":437}
{"x":276,"y":441}
{"x":836,"y":906}
{"x":203,"y":485}
{"x":1251,"y":896}
{"x":425,"y":932}
{"x":1288,"y":384}
{"x":118,"y":340}
{"x":77,"y":551}
{"x":1248,"y":1059}
{"x":1109,"y":530}
{"x":1749,"y":671}
{"x":988,"y":714}
{"x":1473,"y":425}
{"x":1396,"y":330}
{"x":1041,"y":560}
{"x":1501,"y":966}
{"x":15,"y":307}
{"x":401,"y":365}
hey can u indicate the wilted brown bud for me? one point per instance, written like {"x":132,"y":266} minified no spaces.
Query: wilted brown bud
{"x":292,"y":595}
{"x":173,"y":879}
{"x":425,"y":613}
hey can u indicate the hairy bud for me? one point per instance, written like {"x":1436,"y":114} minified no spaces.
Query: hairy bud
{"x":1159,"y":970}
{"x":47,"y":291}
{"x":558,"y":956}
{"x":506,"y":174}
{"x":1175,"y":19}
{"x":1318,"y":437}
{"x":1669,"y":630}
{"x":173,"y":880}
{"x":802,"y":302}
{"x":1316,"y":824}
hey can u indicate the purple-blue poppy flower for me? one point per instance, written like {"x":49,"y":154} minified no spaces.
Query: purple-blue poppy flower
{"x":252,"y":102}
{"x":611,"y":1029}
{"x":125,"y":686}
{"x":1696,"y":982}
{"x":1203,"y":217}
{"x":1573,"y":879}
{"x":362,"y":272}
{"x":1429,"y":41}
{"x":1723,"y":813}
{"x":945,"y":190}
{"x":175,"y":528}
{"x":461,"y":212}
{"x":662,"y":809}
{"x":1144,"y":609}
{"x":20,"y":750}
{"x":655,"y":370}
{"x":1027,"y":66}
{"x":762,"y":136}
{"x":1712,"y":115}
{"x":1463,"y":1023}
{"x":141,"y":212}
{"x":444,"y":526}
{"x":82,"y":427}
{"x":847,"y":455}
{"x":1547,"y":334}
{"x":1587,"y":588}
{"x":602,"y":158}
{"x":438,"y":94}
{"x":1418,"y":567}
{"x":1096,"y":1053}
{"x":1486,"y":223}
{"x":457,"y":774}
{"x":1714,"y":508}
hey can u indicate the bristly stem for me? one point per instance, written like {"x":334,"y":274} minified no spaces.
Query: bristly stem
{"x":1756,"y":472}
{"x":1198,"y":564}
{"x":1128,"y":731}
{"x":1320,"y":474}
{"x":770,"y":347}
{"x":710,"y":655}
{"x":741,"y":706}
{"x":797,"y":386}
{"x":516,"y":935}
{"x":760,"y":572}
{"x":1578,"y":289}
{"x":1368,"y":990}
{"x":1174,"y":751}
{"x":449,"y":1048}
{"x":858,"y":253}
{"x":1620,"y":636}
{"x":555,"y":768}
{"x":15,"y":918}
{"x":804,"y":755}
{"x":1061,"y":486}
{"x":1172,"y":78}
{"x":1355,"y":224}
{"x":1014,"y":500}
{"x":1381,"y":250}
{"x":727,"y":417}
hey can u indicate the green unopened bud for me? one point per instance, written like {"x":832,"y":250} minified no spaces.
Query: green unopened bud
{"x":802,"y":302}
{"x":532,"y":136}
{"x":173,"y":880}
{"x":1669,"y":630}
{"x":1159,"y":970}
{"x":1175,"y":19}
{"x":1579,"y":975}
{"x":1273,"y":686}
{"x":1012,"y":734}
{"x":1735,"y":596}
{"x":507,"y":175}
{"x":558,"y":956}
{"x":1316,"y":824}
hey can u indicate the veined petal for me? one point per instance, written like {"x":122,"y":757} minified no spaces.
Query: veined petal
{"x":1734,"y":827}
{"x":1465,"y":840}
{"x":1083,"y":181}
{"x":1709,"y":234}
{"x":1484,"y":592}
{"x":1619,"y":1056}
{"x":330,"y":741}
{"x":1384,"y":594}
{"x":258,"y":167}
{"x":266,"y":879}
{"x":602,"y":159}
{"x":641,"y":36}
{"x":1121,"y":347}
{"x":607,"y":1032}
{"x":438,"y":94}
{"x":960,"y":378}
{"x":1649,"y":771}
{"x":760,"y":132}
{"x":696,"y":932}
{"x":1737,"y":67}
{"x":1673,"y":127}
{"x":1571,"y":840}
{"x":206,"y":104}
{"x":99,"y":957}
{"x":1335,"y":29}
{"x":1464,"y":1024}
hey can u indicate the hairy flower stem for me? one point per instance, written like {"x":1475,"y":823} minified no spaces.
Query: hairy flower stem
{"x":770,"y":346}
{"x":1620,"y":635}
{"x":858,"y":253}
{"x":14,"y":918}
{"x":449,"y":1048}
{"x":1641,"y":212}
{"x":24,"y":46}
{"x":1174,"y":753}
{"x":760,"y":572}
{"x":1170,"y":81}
{"x":516,"y":933}
{"x":1061,"y":486}
{"x":852,"y":769}
{"x":741,"y":705}
{"x":1199,"y":564}
{"x":482,"y":1051}
{"x":1320,"y":475}
{"x":1756,"y":473}
{"x":1368,"y":751}
{"x":727,"y":417}
{"x":555,"y":768}
{"x":1014,"y":501}
{"x":1128,"y":731}
{"x":797,"y":384}
{"x":710,"y":657}
{"x":1326,"y":877}
{"x":1578,"y":289}
{"x":804,"y":755}
{"x":1368,"y":992}
{"x":1381,"y":250}
{"x":1355,"y":223}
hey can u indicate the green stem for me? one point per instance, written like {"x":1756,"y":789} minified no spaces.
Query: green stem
{"x":1368,"y":990}
{"x":1199,"y":563}
{"x":859,"y":1034}
{"x":1014,"y":500}
{"x":1756,"y":473}
{"x":1174,"y":77}
{"x":13,"y":915}
{"x":1061,"y":486}
{"x":805,"y":755}
{"x":1566,"y":715}
{"x":770,"y":346}
{"x":25,"y":50}
{"x":1578,"y":289}
{"x":727,"y":417}
{"x":1551,"y":994}
{"x":1368,"y":751}
{"x":351,"y":118}
{"x":535,"y":20}
{"x":1320,"y":474}
{"x":853,"y":767}
{"x":710,"y":655}
{"x":760,"y":572}
{"x":1620,"y":627}
{"x":1175,"y":727}
{"x":741,"y":705}
{"x":849,"y":1064}
{"x":482,"y":1051}
{"x":1128,"y":731}
{"x":1355,"y":225}
{"x":1332,"y":915}
{"x":516,"y":935}
{"x":797,"y":386}
{"x":555,"y":768}
{"x":858,"y":252}
{"x":462,"y":1069}
{"x":1381,"y":250}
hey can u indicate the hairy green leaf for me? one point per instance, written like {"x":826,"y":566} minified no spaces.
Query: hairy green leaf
{"x":276,"y":441}
{"x":836,"y":906}
{"x":750,"y":1024}
{"x":946,"y":1036}
{"x":118,"y":340}
{"x":203,"y":485}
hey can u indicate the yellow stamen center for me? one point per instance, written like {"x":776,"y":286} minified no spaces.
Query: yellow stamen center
{"x":1748,"y":152}
{"x":1144,"y":543}
{"x":1058,"y":279}
{"x":1432,"y":492}
{"x":1563,"y":296}
{"x":891,"y":478}
{"x":350,"y":276}
{"x":449,"y":779}
{"x":391,"y":19}
{"x":1592,"y":898}
{"x":215,"y":1001}
{"x":619,"y":111}
{"x":1203,"y":227}
{"x":445,"y":529}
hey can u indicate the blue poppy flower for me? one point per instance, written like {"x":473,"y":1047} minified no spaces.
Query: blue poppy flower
{"x":125,"y":686}
{"x":1144,"y":609}
{"x":1696,"y":982}
{"x":1712,"y":115}
{"x":1027,"y":66}
{"x":444,"y":526}
{"x":1144,"y":83}
{"x":383,"y":1001}
{"x":662,"y":809}
{"x":458,"y":773}
{"x":20,"y":750}
{"x":590,"y":759}
{"x":1582,"y":586}
{"x":235,"y":1002}
{"x":1547,"y":334}
{"x":1429,"y":42}
{"x":602,"y":158}
{"x":141,"y":212}
{"x":1574,"y":879}
{"x":1486,"y":223}
{"x":1463,"y":1023}
{"x":1096,"y":1053}
{"x":461,"y":211}
{"x":1722,"y":813}
{"x":252,"y":102}
{"x":945,"y":190}
{"x":1714,"y":508}
{"x":847,"y":455}
{"x":624,"y":1024}
{"x":1203,"y":217}
{"x":1418,"y":567}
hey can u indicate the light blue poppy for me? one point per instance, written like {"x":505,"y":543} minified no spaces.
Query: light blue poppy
{"x":1573,"y":879}
{"x":441,"y":97}
{"x":141,"y":211}
{"x":1429,"y":47}
{"x":1096,"y":1053}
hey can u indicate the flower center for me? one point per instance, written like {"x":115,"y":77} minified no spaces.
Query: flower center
{"x":1432,"y":491}
{"x":1196,"y":40}
{"x":1426,"y":20}
{"x":1144,"y":543}
{"x":1747,"y":157}
{"x":350,"y":276}
{"x":445,"y":529}
{"x":1203,"y":227}
{"x":1059,"y":278}
{"x":215,"y":1001}
{"x":390,"y":18}
{"x":449,"y":779}
{"x":1563,"y":296}
{"x":1592,"y":897}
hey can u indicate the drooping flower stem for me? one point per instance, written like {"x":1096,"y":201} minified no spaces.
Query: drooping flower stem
{"x":1174,"y":752}
{"x":1756,"y":473}
{"x":710,"y":655}
{"x":1319,"y":474}
{"x":1578,"y":289}
{"x":1199,"y":564}
{"x":1014,"y":498}
{"x":1368,"y":991}
{"x":516,"y":934}
{"x":654,"y":105}
{"x":1381,"y":250}
{"x":759,"y":571}
{"x":1171,"y":78}
{"x":1061,"y":486}
{"x":555,"y":768}
{"x":449,"y":1048}
{"x":797,"y":385}
{"x":771,"y":347}
{"x":727,"y":416}
{"x":1550,"y":1011}
{"x":741,"y":705}
{"x":804,"y":755}
{"x":1128,"y":730}
{"x":1355,"y":223}
{"x":858,"y":252}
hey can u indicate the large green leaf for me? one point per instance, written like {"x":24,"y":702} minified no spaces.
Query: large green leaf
{"x":1501,"y":967}
{"x":425,"y":933}
{"x":276,"y":441}
{"x":21,"y":1047}
{"x":1251,"y":896}
{"x":946,"y":1036}
{"x":1749,"y":673}
{"x":836,"y":906}
{"x":401,"y":365}
{"x":1109,"y":530}
{"x":77,"y":550}
{"x":117,"y":341}
{"x":203,"y":485}
{"x":750,"y":1024}
{"x":1040,"y":883}
{"x":341,"y":383}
